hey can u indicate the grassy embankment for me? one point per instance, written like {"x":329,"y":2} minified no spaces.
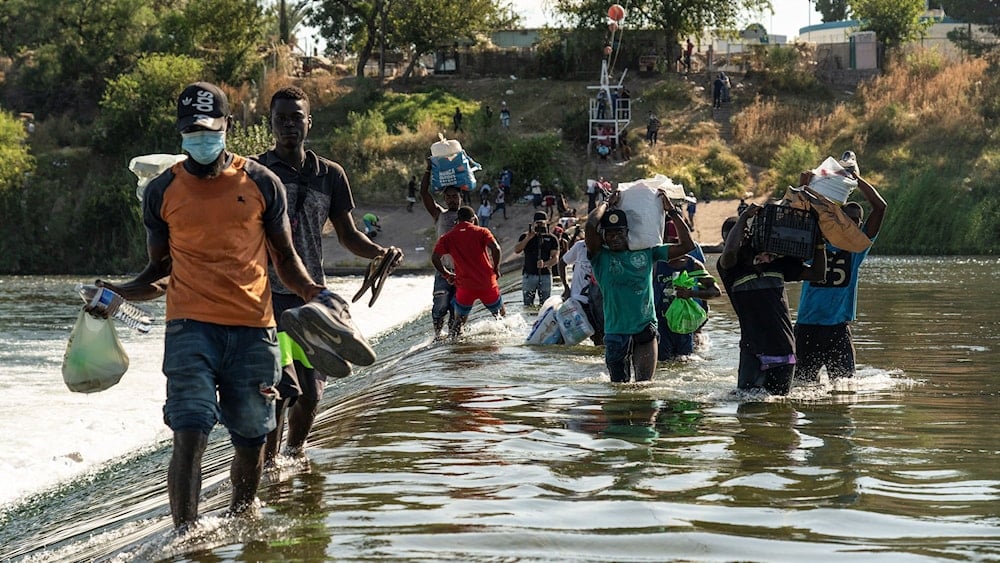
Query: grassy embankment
{"x":924,"y":131}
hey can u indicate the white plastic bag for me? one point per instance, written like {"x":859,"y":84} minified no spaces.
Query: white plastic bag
{"x":149,"y":166}
{"x":546,"y":328}
{"x":573,"y":323}
{"x":833,"y":181}
{"x":95,"y":359}
{"x":644,"y":209}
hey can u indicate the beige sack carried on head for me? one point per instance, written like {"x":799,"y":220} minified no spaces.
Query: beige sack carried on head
{"x":837,"y":228}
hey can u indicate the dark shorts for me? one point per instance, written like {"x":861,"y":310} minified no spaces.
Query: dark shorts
{"x":618,"y":352}
{"x":824,"y":345}
{"x":776,"y":380}
{"x":296,"y":379}
{"x":673,"y":345}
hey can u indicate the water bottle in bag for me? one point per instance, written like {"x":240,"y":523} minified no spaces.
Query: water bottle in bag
{"x":116,"y":306}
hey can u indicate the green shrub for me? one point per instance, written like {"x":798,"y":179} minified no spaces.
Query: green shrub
{"x":795,"y":156}
{"x":409,"y":110}
{"x":138,"y":110}
{"x":16,"y":161}
{"x":360,"y":144}
{"x":251,"y":139}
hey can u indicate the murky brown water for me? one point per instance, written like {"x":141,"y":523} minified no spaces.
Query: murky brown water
{"x":488,"y":450}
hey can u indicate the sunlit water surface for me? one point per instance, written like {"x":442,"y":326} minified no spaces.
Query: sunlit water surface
{"x":486,"y":449}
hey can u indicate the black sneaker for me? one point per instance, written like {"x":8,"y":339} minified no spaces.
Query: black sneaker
{"x":326,"y":333}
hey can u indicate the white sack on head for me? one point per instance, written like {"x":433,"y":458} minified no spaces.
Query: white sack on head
{"x":644,"y":209}
{"x":833,"y":181}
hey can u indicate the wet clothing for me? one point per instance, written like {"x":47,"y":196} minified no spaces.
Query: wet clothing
{"x":626,"y":281}
{"x":825,"y":308}
{"x":757,"y":293}
{"x":469,"y":246}
{"x":618,"y":350}
{"x":824,"y":345}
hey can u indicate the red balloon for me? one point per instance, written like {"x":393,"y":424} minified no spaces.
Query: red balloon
{"x":616,"y":12}
{"x":613,"y":27}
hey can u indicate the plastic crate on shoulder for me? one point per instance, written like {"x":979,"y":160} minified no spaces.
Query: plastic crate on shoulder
{"x":783,"y":230}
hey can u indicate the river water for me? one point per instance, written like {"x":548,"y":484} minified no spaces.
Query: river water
{"x":489,"y":450}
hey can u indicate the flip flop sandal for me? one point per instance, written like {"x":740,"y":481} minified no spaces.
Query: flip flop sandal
{"x":378,"y":270}
{"x":393,"y":258}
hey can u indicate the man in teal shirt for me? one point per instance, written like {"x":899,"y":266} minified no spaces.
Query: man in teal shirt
{"x":626,"y":281}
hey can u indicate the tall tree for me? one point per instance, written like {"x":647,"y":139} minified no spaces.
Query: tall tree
{"x":226,"y":34}
{"x":290,"y":16}
{"x":355,"y":20}
{"x":420,"y":26}
{"x":894,"y":22}
{"x":985,"y":14}
{"x":15,"y":157}
{"x":413,"y":26}
{"x":677,"y":18}
{"x":64,"y":51}
{"x":832,"y":10}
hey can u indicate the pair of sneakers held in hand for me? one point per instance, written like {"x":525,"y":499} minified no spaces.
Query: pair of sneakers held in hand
{"x":323,"y":327}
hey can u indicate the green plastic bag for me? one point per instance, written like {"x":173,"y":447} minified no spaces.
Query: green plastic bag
{"x":685,"y":315}
{"x":95,"y":359}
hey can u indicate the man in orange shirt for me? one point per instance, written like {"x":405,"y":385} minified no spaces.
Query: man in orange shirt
{"x":211,"y":221}
{"x":476,"y":254}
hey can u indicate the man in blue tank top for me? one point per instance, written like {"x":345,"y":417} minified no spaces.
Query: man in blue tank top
{"x":826,"y":308}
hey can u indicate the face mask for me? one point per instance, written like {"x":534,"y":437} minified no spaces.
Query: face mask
{"x":204,"y":146}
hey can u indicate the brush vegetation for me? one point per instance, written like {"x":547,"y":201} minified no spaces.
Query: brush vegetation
{"x":924,"y":132}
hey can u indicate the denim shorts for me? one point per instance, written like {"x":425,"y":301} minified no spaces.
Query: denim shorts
{"x":444,"y":292}
{"x":215,"y":374}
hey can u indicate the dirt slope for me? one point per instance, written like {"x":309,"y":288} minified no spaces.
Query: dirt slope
{"x":415,"y":235}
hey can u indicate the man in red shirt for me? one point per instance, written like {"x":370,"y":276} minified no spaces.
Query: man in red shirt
{"x":476,"y":254}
